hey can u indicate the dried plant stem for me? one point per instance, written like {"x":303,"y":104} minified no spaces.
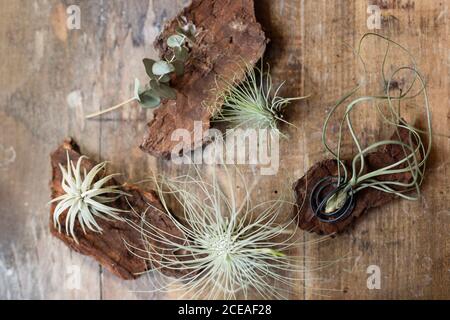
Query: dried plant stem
{"x":112,"y":108}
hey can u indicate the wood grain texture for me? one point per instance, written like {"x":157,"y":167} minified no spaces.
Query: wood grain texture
{"x":224,"y":47}
{"x":51,"y":77}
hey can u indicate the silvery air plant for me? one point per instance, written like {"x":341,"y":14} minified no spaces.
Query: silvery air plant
{"x":159,"y":72}
{"x":254,"y":102}
{"x":86,"y":198}
{"x":338,"y":203}
{"x":229,"y":250}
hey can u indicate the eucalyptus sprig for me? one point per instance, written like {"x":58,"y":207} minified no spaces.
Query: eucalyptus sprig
{"x":253,"y":102}
{"x":160,"y":71}
{"x":415,"y":150}
{"x":85,"y":198}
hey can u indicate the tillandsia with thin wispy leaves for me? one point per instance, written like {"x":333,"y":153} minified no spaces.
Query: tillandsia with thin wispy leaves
{"x":228,"y":250}
{"x":86,"y":198}
{"x":160,"y":71}
{"x":254,"y":102}
{"x":338,"y":203}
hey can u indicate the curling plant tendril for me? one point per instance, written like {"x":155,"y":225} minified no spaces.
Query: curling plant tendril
{"x":415,"y":149}
{"x":85,"y":198}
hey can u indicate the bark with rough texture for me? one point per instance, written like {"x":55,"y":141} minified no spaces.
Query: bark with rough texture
{"x":108,"y":247}
{"x":229,"y":37}
{"x":365,"y":199}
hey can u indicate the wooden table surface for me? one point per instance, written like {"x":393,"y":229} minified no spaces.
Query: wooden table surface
{"x":51,"y":77}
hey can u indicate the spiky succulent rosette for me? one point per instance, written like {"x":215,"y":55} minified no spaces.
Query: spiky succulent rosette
{"x":253,"y":102}
{"x":228,"y":250}
{"x":86,"y":198}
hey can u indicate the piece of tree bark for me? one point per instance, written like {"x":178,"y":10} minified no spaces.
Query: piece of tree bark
{"x":230,"y":37}
{"x":108,"y":247}
{"x":365,"y":199}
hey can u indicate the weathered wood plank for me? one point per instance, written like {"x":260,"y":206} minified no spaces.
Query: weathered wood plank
{"x":408,"y":241}
{"x":129,"y":125}
{"x":47,"y":80}
{"x":51,"y":77}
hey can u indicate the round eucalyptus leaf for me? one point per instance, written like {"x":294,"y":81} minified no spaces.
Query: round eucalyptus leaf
{"x":181,"y":53}
{"x":163,"y":90}
{"x":160,"y":68}
{"x":137,"y":88}
{"x":179,"y":30}
{"x":167,"y":92}
{"x":189,"y":30}
{"x":165,"y":78}
{"x":192,"y":29}
{"x":153,"y":84}
{"x":175,"y":41}
{"x":149,"y":99}
{"x":148,"y":63}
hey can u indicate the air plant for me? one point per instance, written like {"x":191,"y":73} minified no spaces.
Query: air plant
{"x":227,"y":249}
{"x":85,"y":198}
{"x":336,"y":204}
{"x":160,"y":71}
{"x":253,"y":102}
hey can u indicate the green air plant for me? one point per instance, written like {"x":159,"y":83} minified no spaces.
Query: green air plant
{"x":85,"y":198}
{"x":228,"y":250}
{"x":253,"y":102}
{"x":159,"y":72}
{"x":336,"y":204}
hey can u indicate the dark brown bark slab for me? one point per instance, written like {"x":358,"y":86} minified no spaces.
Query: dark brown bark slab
{"x":365,"y":199}
{"x":230,"y":36}
{"x":108,"y":247}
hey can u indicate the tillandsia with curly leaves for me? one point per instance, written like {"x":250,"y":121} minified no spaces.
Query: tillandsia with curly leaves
{"x":253,"y":102}
{"x":85,"y":198}
{"x":229,"y":250}
{"x":159,"y":72}
{"x":338,"y":203}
